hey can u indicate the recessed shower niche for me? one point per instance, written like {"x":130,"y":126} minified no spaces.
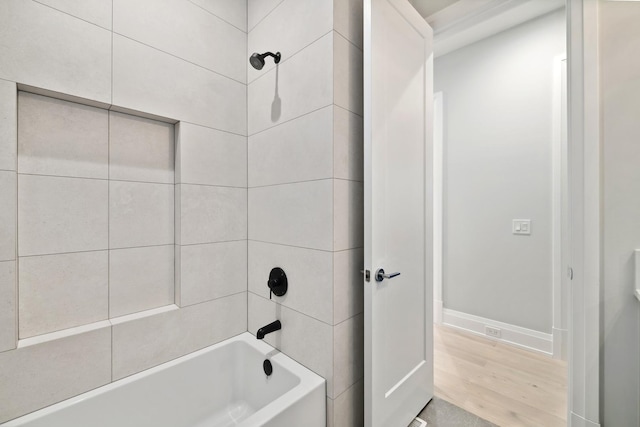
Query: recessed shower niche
{"x":95,"y":214}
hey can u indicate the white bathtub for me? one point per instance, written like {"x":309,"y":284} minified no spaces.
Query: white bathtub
{"x":221,"y":385}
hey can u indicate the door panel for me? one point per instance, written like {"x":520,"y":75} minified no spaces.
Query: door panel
{"x":398,"y":209}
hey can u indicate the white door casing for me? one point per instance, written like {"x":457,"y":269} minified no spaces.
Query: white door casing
{"x":398,"y":100}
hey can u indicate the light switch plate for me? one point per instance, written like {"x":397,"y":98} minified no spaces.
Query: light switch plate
{"x":521,"y":227}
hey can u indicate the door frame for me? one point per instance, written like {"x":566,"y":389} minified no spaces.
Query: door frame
{"x":583,"y":127}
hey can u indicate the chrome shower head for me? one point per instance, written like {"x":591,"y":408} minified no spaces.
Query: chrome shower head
{"x":257,"y":59}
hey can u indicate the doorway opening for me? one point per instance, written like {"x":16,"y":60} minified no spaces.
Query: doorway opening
{"x":501,"y":211}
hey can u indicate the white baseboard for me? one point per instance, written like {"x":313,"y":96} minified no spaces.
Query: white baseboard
{"x":437,"y":312}
{"x":511,"y":334}
{"x":578,"y":421}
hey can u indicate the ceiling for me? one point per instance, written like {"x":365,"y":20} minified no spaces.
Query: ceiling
{"x":429,"y":7}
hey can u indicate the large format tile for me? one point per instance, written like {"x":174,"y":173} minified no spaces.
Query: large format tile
{"x":347,"y":20}
{"x":293,"y":214}
{"x":65,"y":54}
{"x":185,"y":30}
{"x":40,"y":375}
{"x":140,"y":214}
{"x":257,"y":10}
{"x":62,"y":291}
{"x":231,"y":11}
{"x":211,"y":271}
{"x":298,"y":86}
{"x":62,"y":138}
{"x":95,"y":11}
{"x":348,"y":408}
{"x":8,"y":125}
{"x":140,"y":279}
{"x":348,"y":214}
{"x":157,"y":83}
{"x":298,"y":150}
{"x":348,"y":145}
{"x":309,"y":274}
{"x":303,"y":338}
{"x":8,"y":229}
{"x":348,"y":75}
{"x":147,"y":342}
{"x":348,"y":354}
{"x":140,"y":149}
{"x":61,"y":215}
{"x":211,"y":157}
{"x":211,"y":214}
{"x":348,"y":284}
{"x":291,"y":27}
{"x":8,"y":312}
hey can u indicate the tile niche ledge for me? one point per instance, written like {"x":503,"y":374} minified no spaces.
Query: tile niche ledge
{"x":52,"y":336}
{"x":637,"y":281}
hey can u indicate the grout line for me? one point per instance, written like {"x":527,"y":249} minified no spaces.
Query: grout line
{"x":110,"y":179}
{"x":305,"y":181}
{"x":182,"y":59}
{"x":17,"y":225}
{"x":263,"y":18}
{"x":347,"y":39}
{"x":212,"y":128}
{"x":303,"y":247}
{"x":107,"y":249}
{"x":209,"y":185}
{"x":289,"y":120}
{"x":284,"y":60}
{"x":74,"y":16}
{"x":348,"y":111}
{"x":220,"y":18}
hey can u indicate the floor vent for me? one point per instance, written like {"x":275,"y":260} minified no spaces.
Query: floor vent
{"x":418,"y":423}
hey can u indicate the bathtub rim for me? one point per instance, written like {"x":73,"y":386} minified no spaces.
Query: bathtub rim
{"x":308,"y":382}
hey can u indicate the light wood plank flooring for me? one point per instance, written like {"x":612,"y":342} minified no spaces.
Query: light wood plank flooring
{"x":505,"y":385}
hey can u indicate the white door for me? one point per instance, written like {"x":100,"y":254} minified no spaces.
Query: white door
{"x":398,"y":92}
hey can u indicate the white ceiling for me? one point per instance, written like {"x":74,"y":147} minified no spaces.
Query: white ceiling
{"x":429,"y":7}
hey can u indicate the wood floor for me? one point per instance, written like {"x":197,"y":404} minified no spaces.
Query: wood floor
{"x":505,"y":385}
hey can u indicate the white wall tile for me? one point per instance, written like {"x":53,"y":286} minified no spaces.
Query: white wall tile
{"x":348,"y":214}
{"x":150,"y":341}
{"x":257,"y":10}
{"x":212,"y":214}
{"x":348,"y":284}
{"x":8,"y":227}
{"x":348,"y":354}
{"x":140,"y":149}
{"x":61,"y":215}
{"x":95,"y":11}
{"x":8,"y":125}
{"x":211,"y":271}
{"x":291,"y":27}
{"x":348,"y":408}
{"x":62,"y":138}
{"x":185,"y":30}
{"x":348,"y":145}
{"x":303,"y":338}
{"x":293,"y":214}
{"x":140,"y":214}
{"x":347,"y":20}
{"x":298,"y":150}
{"x":40,"y":375}
{"x":65,"y":54}
{"x":309,"y":274}
{"x":140,"y":279}
{"x":211,"y":157}
{"x":148,"y":80}
{"x":8,"y":312}
{"x":62,"y":291}
{"x":348,"y":75}
{"x":232,"y":11}
{"x":301,"y":84}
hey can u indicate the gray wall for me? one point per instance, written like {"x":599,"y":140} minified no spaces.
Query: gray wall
{"x":305,"y":189}
{"x":104,"y":52}
{"x":620,"y":91}
{"x":497,"y":148}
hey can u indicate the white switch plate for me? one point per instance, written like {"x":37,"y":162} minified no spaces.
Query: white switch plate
{"x":521,"y":227}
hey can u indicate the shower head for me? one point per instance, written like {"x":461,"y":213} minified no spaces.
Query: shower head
{"x":257,"y":59}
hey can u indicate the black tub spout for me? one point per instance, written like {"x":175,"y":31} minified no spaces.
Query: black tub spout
{"x":271,"y":327}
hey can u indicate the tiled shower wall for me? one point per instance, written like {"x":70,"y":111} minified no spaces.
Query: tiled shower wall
{"x":306,"y":187}
{"x":133,"y":57}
